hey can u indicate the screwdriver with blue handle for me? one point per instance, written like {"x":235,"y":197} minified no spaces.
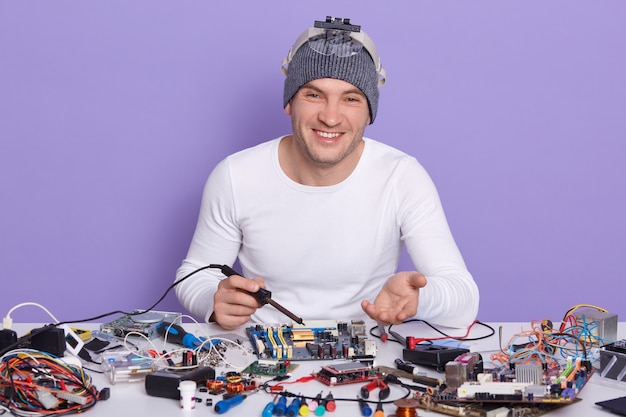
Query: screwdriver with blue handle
{"x":224,"y":405}
{"x":176,"y":334}
{"x":262,"y":296}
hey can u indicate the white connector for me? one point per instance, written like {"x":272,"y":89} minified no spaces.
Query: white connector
{"x":46,"y":399}
{"x":70,"y":397}
{"x":7,"y":322}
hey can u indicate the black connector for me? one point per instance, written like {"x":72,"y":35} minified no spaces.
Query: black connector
{"x":8,"y":338}
{"x":104,"y":394}
{"x":392,"y":379}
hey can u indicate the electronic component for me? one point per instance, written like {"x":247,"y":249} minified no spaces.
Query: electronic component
{"x":552,"y":386}
{"x":48,"y":339}
{"x":613,"y":361}
{"x":529,"y":379}
{"x":432,"y":355}
{"x":269,"y":368}
{"x":345,"y":373}
{"x":496,"y":390}
{"x":406,"y":367}
{"x":126,"y":366}
{"x":164,"y":383}
{"x":323,"y":339}
{"x":601,"y":324}
{"x":489,"y":392}
{"x":463,"y":368}
{"x":145,"y":323}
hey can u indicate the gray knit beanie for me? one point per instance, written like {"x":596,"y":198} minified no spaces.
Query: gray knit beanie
{"x":358,"y":70}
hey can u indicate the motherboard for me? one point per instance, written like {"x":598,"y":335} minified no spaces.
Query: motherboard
{"x":322,"y":339}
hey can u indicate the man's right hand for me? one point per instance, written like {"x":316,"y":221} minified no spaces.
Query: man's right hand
{"x":232,"y":305}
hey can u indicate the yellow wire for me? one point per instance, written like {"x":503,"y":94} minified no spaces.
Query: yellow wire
{"x":576,"y":307}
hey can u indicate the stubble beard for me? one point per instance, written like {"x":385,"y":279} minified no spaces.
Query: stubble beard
{"x":319,"y":159}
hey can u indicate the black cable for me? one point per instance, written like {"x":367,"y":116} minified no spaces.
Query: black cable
{"x":395,"y":337}
{"x":27,"y":337}
{"x":134,"y":313}
{"x":392,"y":379}
{"x":467,"y":339}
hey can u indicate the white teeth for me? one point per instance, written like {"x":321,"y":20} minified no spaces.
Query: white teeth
{"x":328,"y":134}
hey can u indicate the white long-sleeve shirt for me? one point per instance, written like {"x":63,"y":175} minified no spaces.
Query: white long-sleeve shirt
{"x":321,"y":250}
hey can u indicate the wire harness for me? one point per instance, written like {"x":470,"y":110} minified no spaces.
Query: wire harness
{"x":34,"y":383}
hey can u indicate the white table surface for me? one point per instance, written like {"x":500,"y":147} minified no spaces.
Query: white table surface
{"x":130,"y":399}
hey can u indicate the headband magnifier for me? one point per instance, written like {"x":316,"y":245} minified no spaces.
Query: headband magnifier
{"x":336,"y":36}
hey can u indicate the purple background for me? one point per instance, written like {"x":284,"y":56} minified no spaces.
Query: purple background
{"x":113,"y":113}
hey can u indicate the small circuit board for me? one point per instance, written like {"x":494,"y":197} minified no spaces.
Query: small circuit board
{"x":345,"y":373}
{"x":322,"y":339}
{"x":265,"y":367}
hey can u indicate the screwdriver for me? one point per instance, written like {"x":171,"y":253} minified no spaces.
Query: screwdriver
{"x":294,"y":408}
{"x":366,"y":411}
{"x":268,"y":411}
{"x":176,"y":334}
{"x":263,"y":296}
{"x":224,"y":405}
{"x":281,"y":406}
{"x":379,"y":410}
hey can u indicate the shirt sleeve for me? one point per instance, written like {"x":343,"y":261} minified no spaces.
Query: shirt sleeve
{"x":450,"y":297}
{"x":216,"y":240}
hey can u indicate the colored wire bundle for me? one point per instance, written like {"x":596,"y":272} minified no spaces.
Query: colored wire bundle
{"x":549,"y":347}
{"x":529,"y":346}
{"x":34,"y":383}
{"x":584,"y":328}
{"x":541,"y":345}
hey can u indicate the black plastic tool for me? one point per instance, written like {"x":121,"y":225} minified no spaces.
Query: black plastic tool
{"x":263,"y":296}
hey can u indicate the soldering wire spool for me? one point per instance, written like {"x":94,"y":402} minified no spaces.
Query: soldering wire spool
{"x":407,"y":407}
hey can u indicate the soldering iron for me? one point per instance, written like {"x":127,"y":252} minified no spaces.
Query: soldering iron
{"x":262,"y":296}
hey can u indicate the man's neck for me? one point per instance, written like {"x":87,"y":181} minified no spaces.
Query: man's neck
{"x":306,"y":172}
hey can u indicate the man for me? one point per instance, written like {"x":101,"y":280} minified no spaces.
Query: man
{"x":320,"y":216}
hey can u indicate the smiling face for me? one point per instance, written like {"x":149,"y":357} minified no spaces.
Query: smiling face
{"x":328,"y":119}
